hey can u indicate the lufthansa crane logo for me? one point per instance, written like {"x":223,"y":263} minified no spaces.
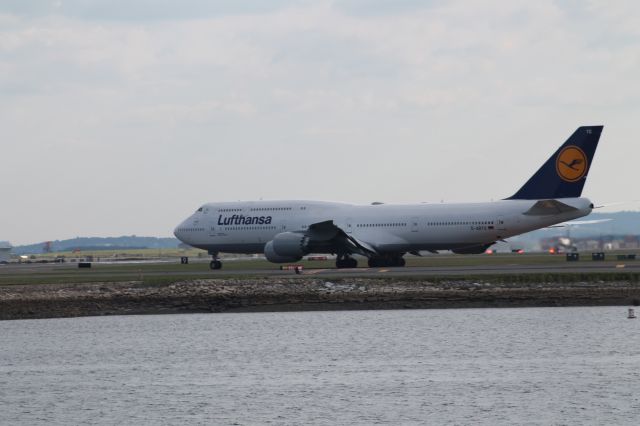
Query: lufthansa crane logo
{"x":571,"y":164}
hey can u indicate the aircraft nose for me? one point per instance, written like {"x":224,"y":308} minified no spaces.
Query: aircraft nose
{"x":179,"y":231}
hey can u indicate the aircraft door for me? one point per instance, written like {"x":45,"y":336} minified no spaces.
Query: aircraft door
{"x":210,"y":222}
{"x":501,"y":224}
{"x":414,"y":224}
{"x":348,"y":225}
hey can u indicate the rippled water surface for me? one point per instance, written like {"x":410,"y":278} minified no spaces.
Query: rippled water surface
{"x":472,"y":366}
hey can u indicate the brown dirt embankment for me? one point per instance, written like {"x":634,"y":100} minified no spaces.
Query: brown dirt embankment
{"x":262,"y":295}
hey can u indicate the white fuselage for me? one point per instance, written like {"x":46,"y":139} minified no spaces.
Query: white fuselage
{"x":245,"y":227}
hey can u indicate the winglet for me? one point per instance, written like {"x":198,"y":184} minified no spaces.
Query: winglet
{"x":564,"y":174}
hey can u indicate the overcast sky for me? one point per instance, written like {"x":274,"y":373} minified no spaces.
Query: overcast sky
{"x":121,"y":117}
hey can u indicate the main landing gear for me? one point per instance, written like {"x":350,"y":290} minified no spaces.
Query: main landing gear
{"x":376,"y":262}
{"x":215,"y":263}
{"x":346,"y":261}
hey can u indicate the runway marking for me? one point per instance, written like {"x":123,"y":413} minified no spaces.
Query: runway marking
{"x":315,"y":271}
{"x":620,"y":266}
{"x":383,"y":270}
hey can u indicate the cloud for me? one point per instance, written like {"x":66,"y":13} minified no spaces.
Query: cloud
{"x":141,"y":10}
{"x":352,"y":100}
{"x":384,"y":8}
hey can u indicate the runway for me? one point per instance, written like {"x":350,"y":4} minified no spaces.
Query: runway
{"x":60,"y":273}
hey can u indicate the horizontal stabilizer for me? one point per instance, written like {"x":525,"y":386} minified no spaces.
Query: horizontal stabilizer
{"x":548,"y":207}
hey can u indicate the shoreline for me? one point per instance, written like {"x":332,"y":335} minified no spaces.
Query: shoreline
{"x":38,"y":301}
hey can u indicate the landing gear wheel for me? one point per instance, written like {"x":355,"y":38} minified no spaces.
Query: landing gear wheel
{"x":215,"y":264}
{"x":346,"y":262}
{"x":396,"y":261}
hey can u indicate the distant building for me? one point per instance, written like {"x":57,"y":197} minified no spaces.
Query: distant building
{"x":5,"y":251}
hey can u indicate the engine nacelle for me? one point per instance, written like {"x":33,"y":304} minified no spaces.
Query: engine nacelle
{"x":286,"y":247}
{"x":272,"y":256}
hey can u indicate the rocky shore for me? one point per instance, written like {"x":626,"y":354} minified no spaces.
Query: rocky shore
{"x":295,"y":294}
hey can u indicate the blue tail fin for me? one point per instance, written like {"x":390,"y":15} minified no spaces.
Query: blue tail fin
{"x":564,"y":174}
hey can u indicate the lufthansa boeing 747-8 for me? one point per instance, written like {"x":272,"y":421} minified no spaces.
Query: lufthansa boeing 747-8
{"x":285,"y":231}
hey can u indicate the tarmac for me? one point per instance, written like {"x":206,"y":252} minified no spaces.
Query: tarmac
{"x":582,"y":267}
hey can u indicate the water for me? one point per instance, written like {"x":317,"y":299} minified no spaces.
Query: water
{"x":474,"y":366}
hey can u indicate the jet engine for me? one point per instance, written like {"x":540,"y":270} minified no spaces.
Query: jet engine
{"x":286,"y":247}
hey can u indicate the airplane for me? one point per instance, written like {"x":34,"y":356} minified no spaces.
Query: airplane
{"x":285,"y":231}
{"x":565,"y":242}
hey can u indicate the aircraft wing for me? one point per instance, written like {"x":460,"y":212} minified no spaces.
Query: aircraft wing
{"x":616,"y":204}
{"x":328,"y":233}
{"x":577,"y":223}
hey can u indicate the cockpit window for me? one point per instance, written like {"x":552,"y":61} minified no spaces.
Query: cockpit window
{"x":200,"y":209}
